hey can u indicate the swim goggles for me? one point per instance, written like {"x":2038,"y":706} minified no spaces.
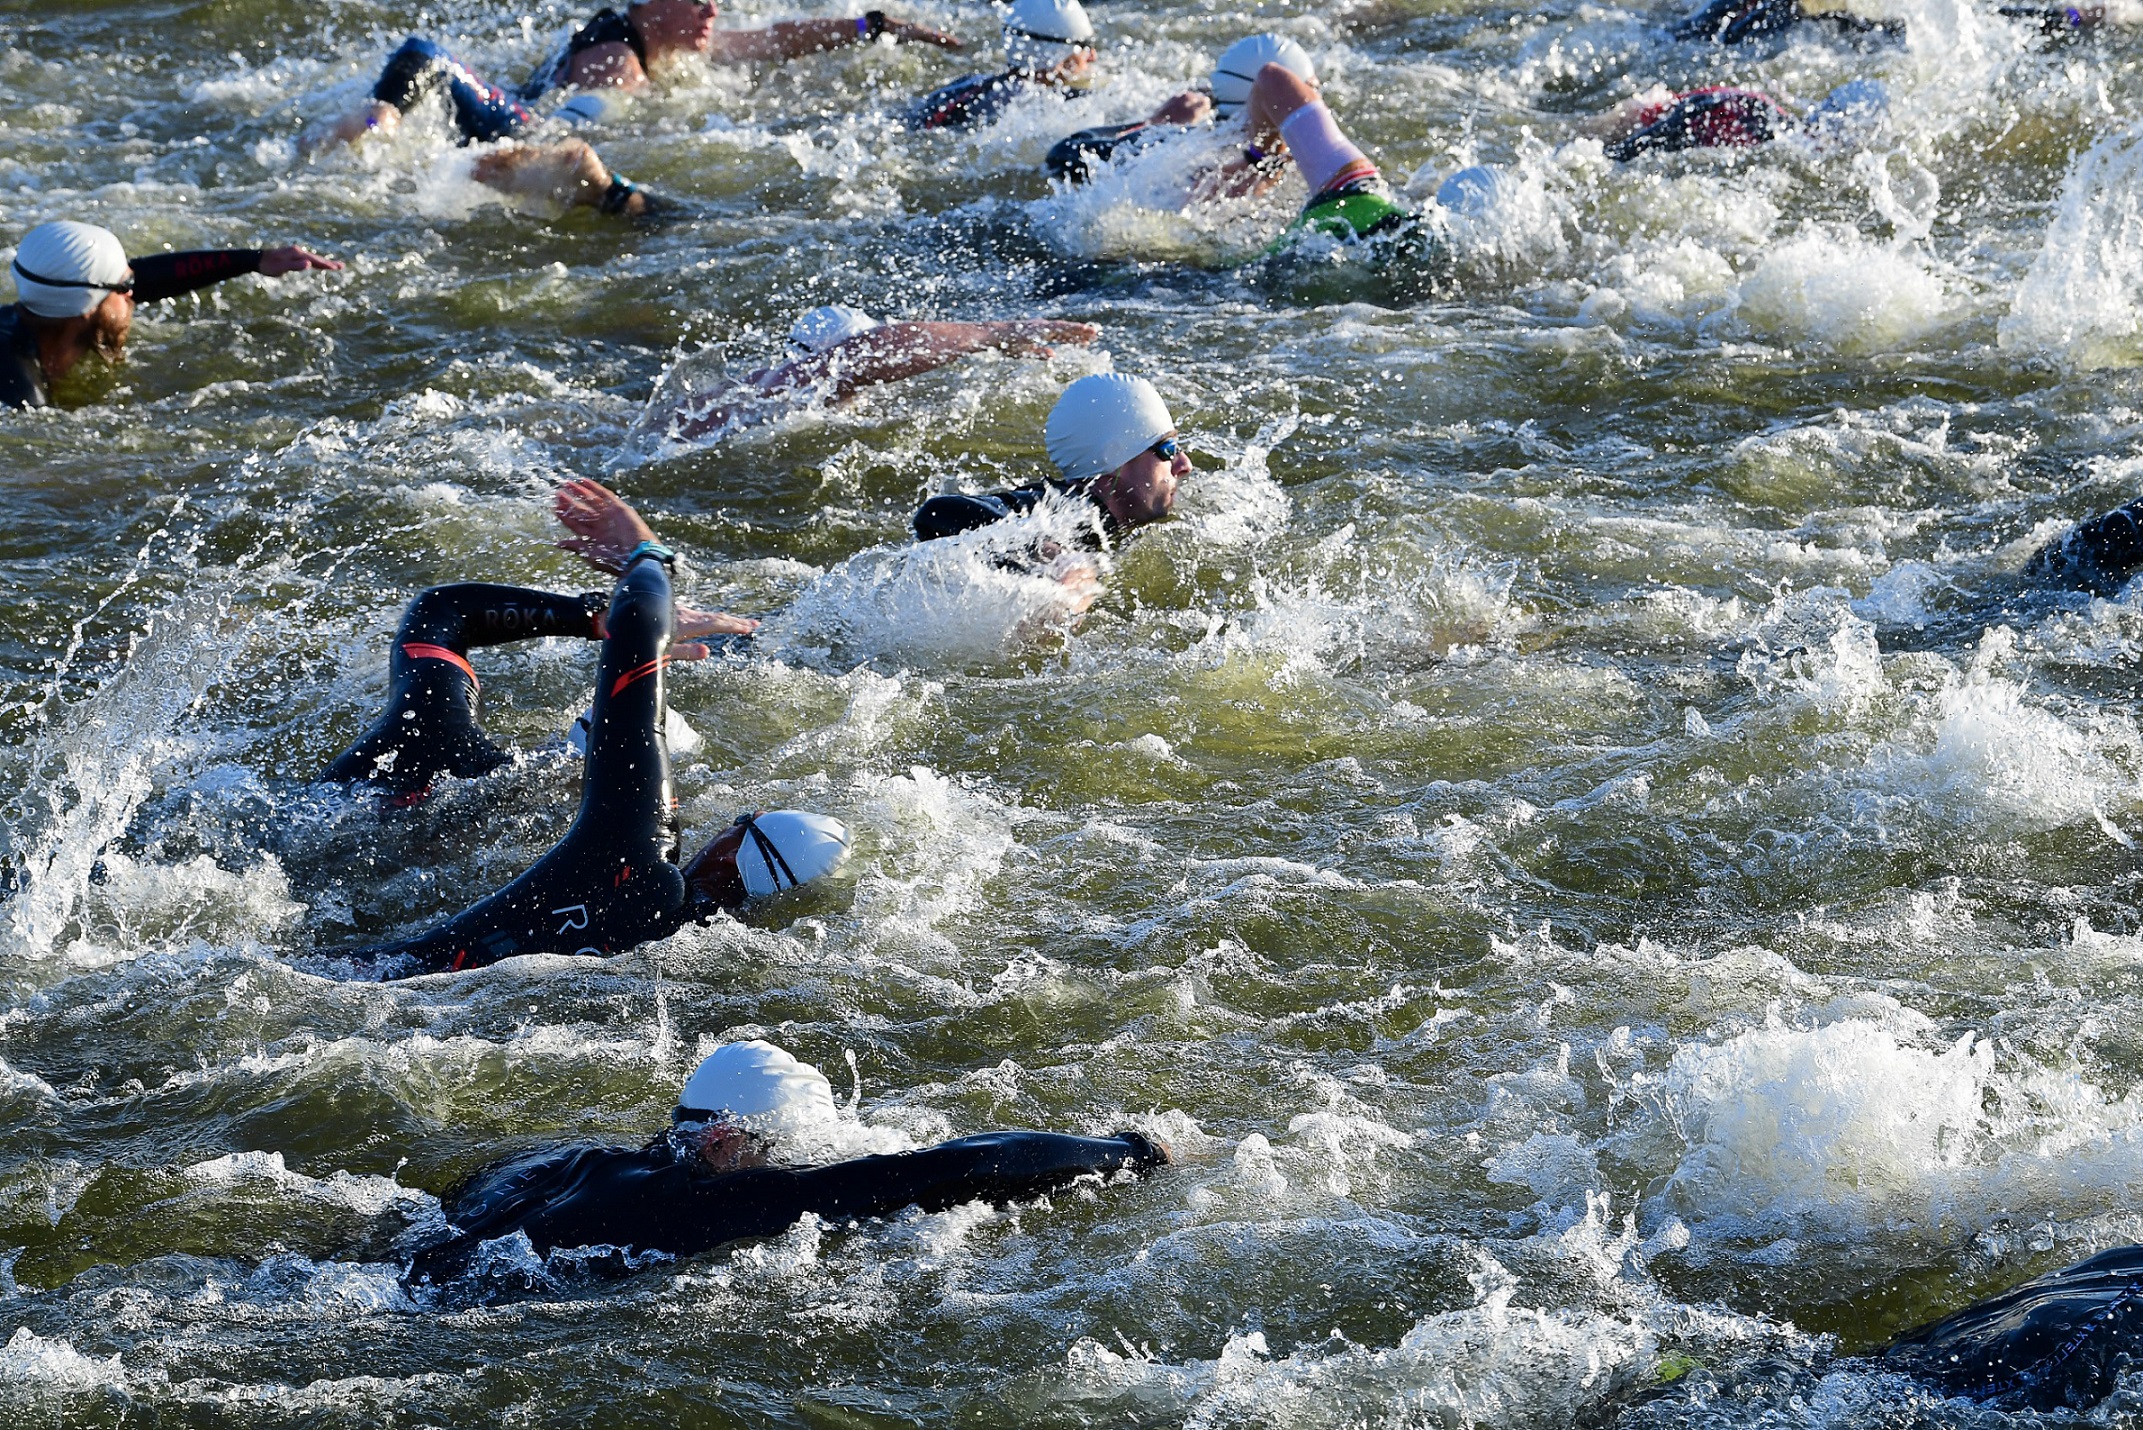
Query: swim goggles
{"x":124,"y":285}
{"x":1166,"y":449}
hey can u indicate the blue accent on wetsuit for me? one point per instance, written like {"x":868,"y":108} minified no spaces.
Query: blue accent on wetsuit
{"x":663,"y":1197}
{"x":482,"y":111}
{"x":612,"y":883}
{"x":2059,"y":1341}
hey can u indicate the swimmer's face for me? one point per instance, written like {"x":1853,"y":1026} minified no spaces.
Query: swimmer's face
{"x":727,"y":1149}
{"x":1143,"y":489}
{"x":713,"y":871}
{"x":110,"y":323}
{"x":1075,"y":69}
{"x":676,"y":24}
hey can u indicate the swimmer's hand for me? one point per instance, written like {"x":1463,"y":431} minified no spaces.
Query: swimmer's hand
{"x":275,"y":262}
{"x":605,"y":527}
{"x":1082,"y":586}
{"x":1031,"y":337}
{"x":906,"y":33}
{"x":693,"y":623}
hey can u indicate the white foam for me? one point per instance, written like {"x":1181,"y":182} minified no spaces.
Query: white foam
{"x":1837,"y":288}
{"x":2083,"y":298}
{"x":30,"y":1361}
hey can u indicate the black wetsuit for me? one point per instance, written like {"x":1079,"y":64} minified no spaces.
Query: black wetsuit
{"x":663,"y":1197}
{"x":2060,"y":1340}
{"x":2098,"y":556}
{"x":1721,"y":118}
{"x":968,"y":101}
{"x":1075,"y":157}
{"x":605,"y":27}
{"x":1731,"y":21}
{"x":955,"y":512}
{"x":612,"y":883}
{"x":429,"y":727}
{"x":157,"y":277}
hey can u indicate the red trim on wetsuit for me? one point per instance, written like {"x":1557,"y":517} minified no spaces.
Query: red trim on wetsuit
{"x":1722,"y":126}
{"x":640,"y":673}
{"x":425,"y":650}
{"x":1360,"y":171}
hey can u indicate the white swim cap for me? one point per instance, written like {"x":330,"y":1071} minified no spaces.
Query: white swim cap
{"x":820,"y":328}
{"x":1042,"y":34}
{"x":1470,"y":192}
{"x":757,"y":1084}
{"x":1237,"y":69}
{"x":65,"y":269}
{"x":786,"y":849}
{"x":1102,"y":421}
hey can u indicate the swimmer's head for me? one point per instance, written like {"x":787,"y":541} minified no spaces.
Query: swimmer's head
{"x":767,"y":853}
{"x":742,"y":1094}
{"x":821,"y":328}
{"x":1114,"y":432}
{"x":1052,"y":38}
{"x":674,"y":24}
{"x":1237,"y":69}
{"x":68,"y":270}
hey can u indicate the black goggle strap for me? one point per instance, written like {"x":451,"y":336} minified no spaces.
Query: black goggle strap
{"x":775,"y":864}
{"x":1014,"y":32}
{"x":125,"y":285}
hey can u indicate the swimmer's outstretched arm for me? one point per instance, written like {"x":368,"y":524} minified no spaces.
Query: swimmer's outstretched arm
{"x":884,"y":354}
{"x":792,"y":39}
{"x":569,"y":173}
{"x":167,"y":275}
{"x":605,"y":530}
{"x":996,"y":1167}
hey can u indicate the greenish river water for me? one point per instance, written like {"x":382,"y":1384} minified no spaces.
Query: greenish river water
{"x":1578,"y":834}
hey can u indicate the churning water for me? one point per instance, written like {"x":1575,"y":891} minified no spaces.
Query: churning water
{"x":1577,"y":834}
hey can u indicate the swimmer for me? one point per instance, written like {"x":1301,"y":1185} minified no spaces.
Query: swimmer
{"x":844,"y":350}
{"x":75,"y":293}
{"x":1729,"y":22}
{"x":1288,"y":119}
{"x":1049,"y":44}
{"x":1225,"y":100}
{"x":1724,"y":117}
{"x":1116,"y":449}
{"x":2098,"y":555}
{"x":2069,"y":22}
{"x":613,"y":51}
{"x":613,"y":882}
{"x":716,"y":1174}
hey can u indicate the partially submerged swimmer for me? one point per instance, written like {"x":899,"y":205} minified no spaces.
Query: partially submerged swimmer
{"x":1223,"y":101}
{"x":1731,"y":22}
{"x":1116,"y":450}
{"x":714,"y":1175}
{"x":1049,"y":45}
{"x":2098,"y":555}
{"x":613,"y":882}
{"x":844,"y":350}
{"x":612,"y":52}
{"x":76,"y":290}
{"x":1726,"y":117}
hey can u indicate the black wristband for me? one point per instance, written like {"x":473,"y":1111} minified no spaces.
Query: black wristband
{"x":617,"y":195}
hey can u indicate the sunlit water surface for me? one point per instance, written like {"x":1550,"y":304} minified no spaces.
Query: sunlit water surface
{"x":1577,"y":835}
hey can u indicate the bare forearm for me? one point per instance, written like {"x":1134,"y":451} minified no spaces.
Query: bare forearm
{"x":787,"y":40}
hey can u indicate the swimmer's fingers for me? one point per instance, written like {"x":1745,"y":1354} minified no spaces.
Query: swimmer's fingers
{"x":689,"y":650}
{"x":605,"y":527}
{"x":275,"y":262}
{"x":912,"y":34}
{"x":692,"y":624}
{"x":594,"y":553}
{"x":1078,"y":335}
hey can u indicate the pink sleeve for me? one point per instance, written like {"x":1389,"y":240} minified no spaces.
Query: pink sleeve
{"x":1325,"y":155}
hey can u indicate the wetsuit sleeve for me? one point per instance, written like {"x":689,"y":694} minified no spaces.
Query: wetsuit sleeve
{"x":954,"y":513}
{"x":167,"y":275}
{"x":996,"y":1167}
{"x":429,"y":727}
{"x":1713,"y":119}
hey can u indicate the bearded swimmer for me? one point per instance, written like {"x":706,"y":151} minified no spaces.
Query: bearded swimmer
{"x":613,"y":51}
{"x":1049,"y":46}
{"x":844,"y":350}
{"x":1116,"y":450}
{"x":717,"y":1173}
{"x":613,"y":882}
{"x":75,"y":293}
